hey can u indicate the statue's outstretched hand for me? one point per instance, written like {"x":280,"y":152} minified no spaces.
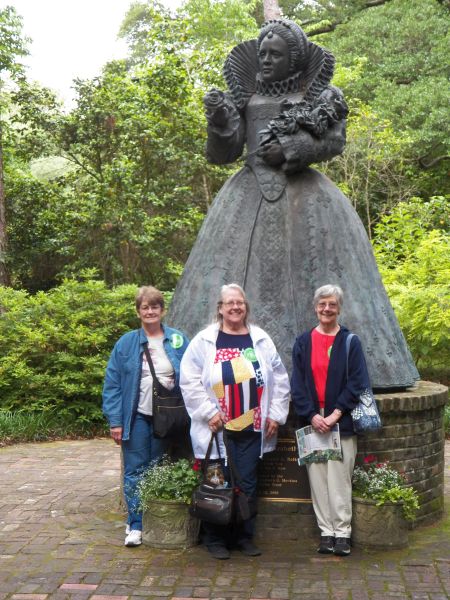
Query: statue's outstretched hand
{"x":272,"y":154}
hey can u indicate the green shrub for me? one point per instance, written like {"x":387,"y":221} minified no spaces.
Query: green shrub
{"x":419,"y":291}
{"x":54,"y":346}
{"x":412,"y":247}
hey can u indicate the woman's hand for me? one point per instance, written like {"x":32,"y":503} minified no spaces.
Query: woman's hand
{"x":320,"y":424}
{"x":116,"y":434}
{"x":217,"y":422}
{"x":332,"y":419}
{"x":271,"y":427}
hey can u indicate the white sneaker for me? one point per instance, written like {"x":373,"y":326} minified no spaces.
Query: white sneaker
{"x":134,"y":538}
{"x":127,"y":529}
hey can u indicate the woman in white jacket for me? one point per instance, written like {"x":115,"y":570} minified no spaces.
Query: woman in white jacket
{"x":232,"y":377}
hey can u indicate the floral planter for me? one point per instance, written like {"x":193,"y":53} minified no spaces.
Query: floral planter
{"x":378,"y":527}
{"x":168,"y":524}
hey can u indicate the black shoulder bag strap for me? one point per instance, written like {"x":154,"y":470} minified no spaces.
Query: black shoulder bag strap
{"x":214,"y":437}
{"x":156,"y":383}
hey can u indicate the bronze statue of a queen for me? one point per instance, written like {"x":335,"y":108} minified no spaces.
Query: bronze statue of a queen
{"x":278,"y":227}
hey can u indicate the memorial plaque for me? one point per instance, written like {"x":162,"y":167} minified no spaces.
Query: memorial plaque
{"x":280,"y":479}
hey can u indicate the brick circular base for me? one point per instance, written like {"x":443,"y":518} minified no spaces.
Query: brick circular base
{"x":412,"y":440}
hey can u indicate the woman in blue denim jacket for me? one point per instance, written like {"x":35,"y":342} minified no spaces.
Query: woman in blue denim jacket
{"x":128,"y":395}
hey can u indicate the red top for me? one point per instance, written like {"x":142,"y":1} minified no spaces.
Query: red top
{"x":320,"y":359}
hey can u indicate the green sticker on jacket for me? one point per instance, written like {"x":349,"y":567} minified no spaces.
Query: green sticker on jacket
{"x":176,"y":340}
{"x":250,"y":355}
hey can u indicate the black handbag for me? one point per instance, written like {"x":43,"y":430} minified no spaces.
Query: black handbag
{"x":170,"y":417}
{"x":217,"y":504}
{"x":212,"y":503}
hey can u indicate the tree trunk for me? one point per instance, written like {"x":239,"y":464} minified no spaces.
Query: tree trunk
{"x":271,"y":10}
{"x":4,"y":276}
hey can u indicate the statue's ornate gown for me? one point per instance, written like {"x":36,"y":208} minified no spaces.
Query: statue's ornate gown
{"x":283,"y":232}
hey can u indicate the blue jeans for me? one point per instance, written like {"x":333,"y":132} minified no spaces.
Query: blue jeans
{"x":139,"y":452}
{"x":245,"y":448}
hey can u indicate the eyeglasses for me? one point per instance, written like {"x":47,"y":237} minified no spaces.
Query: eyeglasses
{"x":329,"y":304}
{"x":238,"y":303}
{"x":145,"y":307}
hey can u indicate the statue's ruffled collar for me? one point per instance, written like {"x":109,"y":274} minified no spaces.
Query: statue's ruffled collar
{"x":241,"y":74}
{"x":278,"y":88}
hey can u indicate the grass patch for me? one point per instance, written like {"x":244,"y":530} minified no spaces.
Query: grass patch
{"x":17,"y":427}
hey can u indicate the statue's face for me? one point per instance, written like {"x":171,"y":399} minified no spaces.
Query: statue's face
{"x":273,"y":58}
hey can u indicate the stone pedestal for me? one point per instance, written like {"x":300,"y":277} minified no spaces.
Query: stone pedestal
{"x":412,"y":440}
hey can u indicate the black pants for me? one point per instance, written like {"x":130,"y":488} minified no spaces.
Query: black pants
{"x":245,"y":448}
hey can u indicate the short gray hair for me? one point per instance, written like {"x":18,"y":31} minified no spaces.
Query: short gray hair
{"x":331,"y":289}
{"x":223,"y":290}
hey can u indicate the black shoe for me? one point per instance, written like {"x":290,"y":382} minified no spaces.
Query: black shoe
{"x":326,"y":545}
{"x":342,"y":546}
{"x":248,"y":548}
{"x":218,"y":551}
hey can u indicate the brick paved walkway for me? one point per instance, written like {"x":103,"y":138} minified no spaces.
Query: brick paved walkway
{"x":61,"y":537}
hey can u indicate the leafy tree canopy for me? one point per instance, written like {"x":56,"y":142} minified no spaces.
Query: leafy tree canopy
{"x":12,"y":43}
{"x":405,"y":47}
{"x":139,"y":185}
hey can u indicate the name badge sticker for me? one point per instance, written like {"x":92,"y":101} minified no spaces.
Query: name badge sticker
{"x":176,"y":340}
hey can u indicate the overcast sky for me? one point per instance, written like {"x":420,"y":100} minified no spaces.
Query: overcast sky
{"x":71,"y":38}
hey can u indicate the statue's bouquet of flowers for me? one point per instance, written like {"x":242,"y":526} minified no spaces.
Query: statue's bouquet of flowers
{"x":316,"y":117}
{"x":380,"y":482}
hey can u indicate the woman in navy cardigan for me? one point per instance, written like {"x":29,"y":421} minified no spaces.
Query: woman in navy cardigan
{"x":323,"y":395}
